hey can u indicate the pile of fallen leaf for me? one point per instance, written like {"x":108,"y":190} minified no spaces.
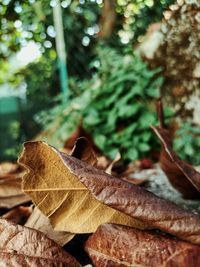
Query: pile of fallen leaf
{"x":72,"y":211}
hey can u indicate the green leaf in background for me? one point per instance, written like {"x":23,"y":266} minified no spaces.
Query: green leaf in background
{"x":143,"y":147}
{"x":116,"y":111}
{"x":187,"y":142}
{"x":132,"y":154}
{"x":100,"y":140}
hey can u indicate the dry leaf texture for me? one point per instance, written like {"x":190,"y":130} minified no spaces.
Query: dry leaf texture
{"x":83,"y":150}
{"x":11,"y":194}
{"x":181,"y":174}
{"x":8,"y":169}
{"x":22,"y":247}
{"x":137,"y":202}
{"x":40,"y":222}
{"x":58,"y":193}
{"x":18,"y":215}
{"x":120,"y":246}
{"x":58,"y":184}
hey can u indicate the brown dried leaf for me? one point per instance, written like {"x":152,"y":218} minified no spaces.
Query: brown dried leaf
{"x":146,"y":163}
{"x":116,"y":245}
{"x":102,"y":162}
{"x":58,"y":184}
{"x":40,"y":222}
{"x":13,"y":201}
{"x":109,"y":169}
{"x":58,"y":193}
{"x":11,"y":194}
{"x":137,"y":202}
{"x":8,"y":168}
{"x":18,"y":215}
{"x":69,"y":143}
{"x":126,"y":175}
{"x":181,"y":174}
{"x":168,"y":159}
{"x":83,"y":150}
{"x":22,"y":246}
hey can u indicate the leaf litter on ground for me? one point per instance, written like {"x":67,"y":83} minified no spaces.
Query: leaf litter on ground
{"x":64,"y":188}
{"x":85,"y":171}
{"x":22,"y":246}
{"x":182,"y":175}
{"x":118,"y":245}
{"x":11,"y":194}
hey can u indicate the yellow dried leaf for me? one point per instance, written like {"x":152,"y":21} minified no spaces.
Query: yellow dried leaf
{"x":58,"y":193}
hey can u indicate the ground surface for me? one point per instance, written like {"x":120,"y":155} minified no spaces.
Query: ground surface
{"x":159,"y":185}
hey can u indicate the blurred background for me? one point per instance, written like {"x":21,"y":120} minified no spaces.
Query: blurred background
{"x":96,"y":68}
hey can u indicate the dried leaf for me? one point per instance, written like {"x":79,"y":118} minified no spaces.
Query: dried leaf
{"x":137,"y":202}
{"x":181,"y":174}
{"x":132,"y":167}
{"x":168,"y":158}
{"x":11,"y":194}
{"x":58,"y":193}
{"x":18,"y":215}
{"x":69,"y":143}
{"x":40,"y":222}
{"x":11,"y":202}
{"x":110,"y":167}
{"x":126,"y":175}
{"x":8,"y":168}
{"x":58,"y":184}
{"x":83,"y":150}
{"x":78,"y":133}
{"x":102,"y":162}
{"x":146,"y":164}
{"x":22,"y":246}
{"x":117,"y":245}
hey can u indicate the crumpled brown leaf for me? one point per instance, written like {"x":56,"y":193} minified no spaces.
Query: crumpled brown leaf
{"x":8,"y":169}
{"x":40,"y":222}
{"x":22,"y":246}
{"x":11,"y":194}
{"x":127,"y":174}
{"x":18,"y":215}
{"x":83,"y":150}
{"x":137,"y":202}
{"x":109,"y":169}
{"x":102,"y":162}
{"x":181,"y":174}
{"x":69,"y":180}
{"x":117,"y":245}
{"x":58,"y":193}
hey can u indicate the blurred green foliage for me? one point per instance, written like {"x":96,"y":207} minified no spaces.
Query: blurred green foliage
{"x":146,"y":12}
{"x":121,"y":108}
{"x":42,"y":79}
{"x":23,"y":21}
{"x":187,"y":142}
{"x":15,"y":134}
{"x":116,"y":107}
{"x":112,"y":91}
